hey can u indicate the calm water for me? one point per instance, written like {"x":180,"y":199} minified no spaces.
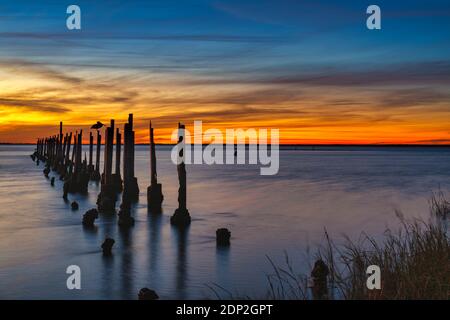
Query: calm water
{"x":345,"y":190}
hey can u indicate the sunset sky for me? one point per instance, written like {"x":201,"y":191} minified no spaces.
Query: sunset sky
{"x":310,"y":68}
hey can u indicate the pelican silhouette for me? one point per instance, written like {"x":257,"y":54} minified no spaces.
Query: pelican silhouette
{"x":97,"y":126}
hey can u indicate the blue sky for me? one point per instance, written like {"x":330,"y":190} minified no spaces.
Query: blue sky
{"x":285,"y":48}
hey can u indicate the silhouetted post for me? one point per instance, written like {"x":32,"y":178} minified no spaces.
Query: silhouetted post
{"x":60,"y":144}
{"x":45,"y":148}
{"x":181,"y":216}
{"x":130,"y":187}
{"x":108,"y":155}
{"x":61,"y":160}
{"x":78,"y":179}
{"x":117,"y":179}
{"x":96,"y":174}
{"x":78,"y":154}
{"x":74,"y":147}
{"x":36,"y":152}
{"x":63,"y":153}
{"x":69,"y":141}
{"x":319,"y":275}
{"x":91,"y":151}
{"x":154,"y":191}
{"x":106,"y":200}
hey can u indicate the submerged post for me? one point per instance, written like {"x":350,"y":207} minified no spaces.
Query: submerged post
{"x":181,"y":216}
{"x":154,"y":191}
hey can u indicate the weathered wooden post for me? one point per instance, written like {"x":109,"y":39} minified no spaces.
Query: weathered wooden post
{"x":79,"y":179}
{"x":130,"y":184}
{"x":154,"y":191}
{"x":74,"y":150}
{"x":117,"y":179}
{"x":106,"y":200}
{"x":60,"y":146}
{"x":96,"y":173}
{"x":181,"y":217}
{"x":91,"y":151}
{"x":319,"y":276}
{"x":69,"y":141}
{"x":108,"y":155}
{"x":63,"y":155}
{"x":78,"y":155}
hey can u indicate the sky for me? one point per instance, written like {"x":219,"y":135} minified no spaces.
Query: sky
{"x":312,"y":69}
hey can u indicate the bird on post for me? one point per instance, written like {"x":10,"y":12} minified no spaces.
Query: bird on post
{"x":97,"y":126}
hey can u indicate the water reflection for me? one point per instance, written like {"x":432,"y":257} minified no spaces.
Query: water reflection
{"x":181,"y":236}
{"x":154,"y":225}
{"x":127,"y":274}
{"x":224,"y":278}
{"x":345,"y":191}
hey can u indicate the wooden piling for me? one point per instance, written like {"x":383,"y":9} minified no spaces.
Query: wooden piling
{"x":181,"y":217}
{"x":154,"y":191}
{"x":116,"y":177}
{"x":319,"y":276}
{"x":95,"y":175}
{"x":106,"y":201}
{"x":130,"y":188}
{"x":91,"y":151}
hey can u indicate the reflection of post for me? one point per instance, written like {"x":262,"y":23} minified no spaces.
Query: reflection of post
{"x":154,"y":191}
{"x":181,"y":216}
{"x":181,"y":263}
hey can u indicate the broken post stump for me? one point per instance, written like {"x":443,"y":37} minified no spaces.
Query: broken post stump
{"x":74,"y":205}
{"x":106,"y":201}
{"x":181,"y":217}
{"x":147,"y":294}
{"x":95,"y":175}
{"x":107,"y":246}
{"x":154,"y":191}
{"x":319,"y":276}
{"x":130,"y":184}
{"x":223,"y":236}
{"x":89,"y":217}
{"x":46,"y":170}
{"x":116,"y":178}
{"x":91,"y":151}
{"x":125,"y":218}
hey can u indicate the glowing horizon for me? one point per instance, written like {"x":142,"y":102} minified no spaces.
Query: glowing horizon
{"x":320,"y":77}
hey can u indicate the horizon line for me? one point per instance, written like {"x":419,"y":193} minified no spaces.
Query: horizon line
{"x":285,"y":144}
